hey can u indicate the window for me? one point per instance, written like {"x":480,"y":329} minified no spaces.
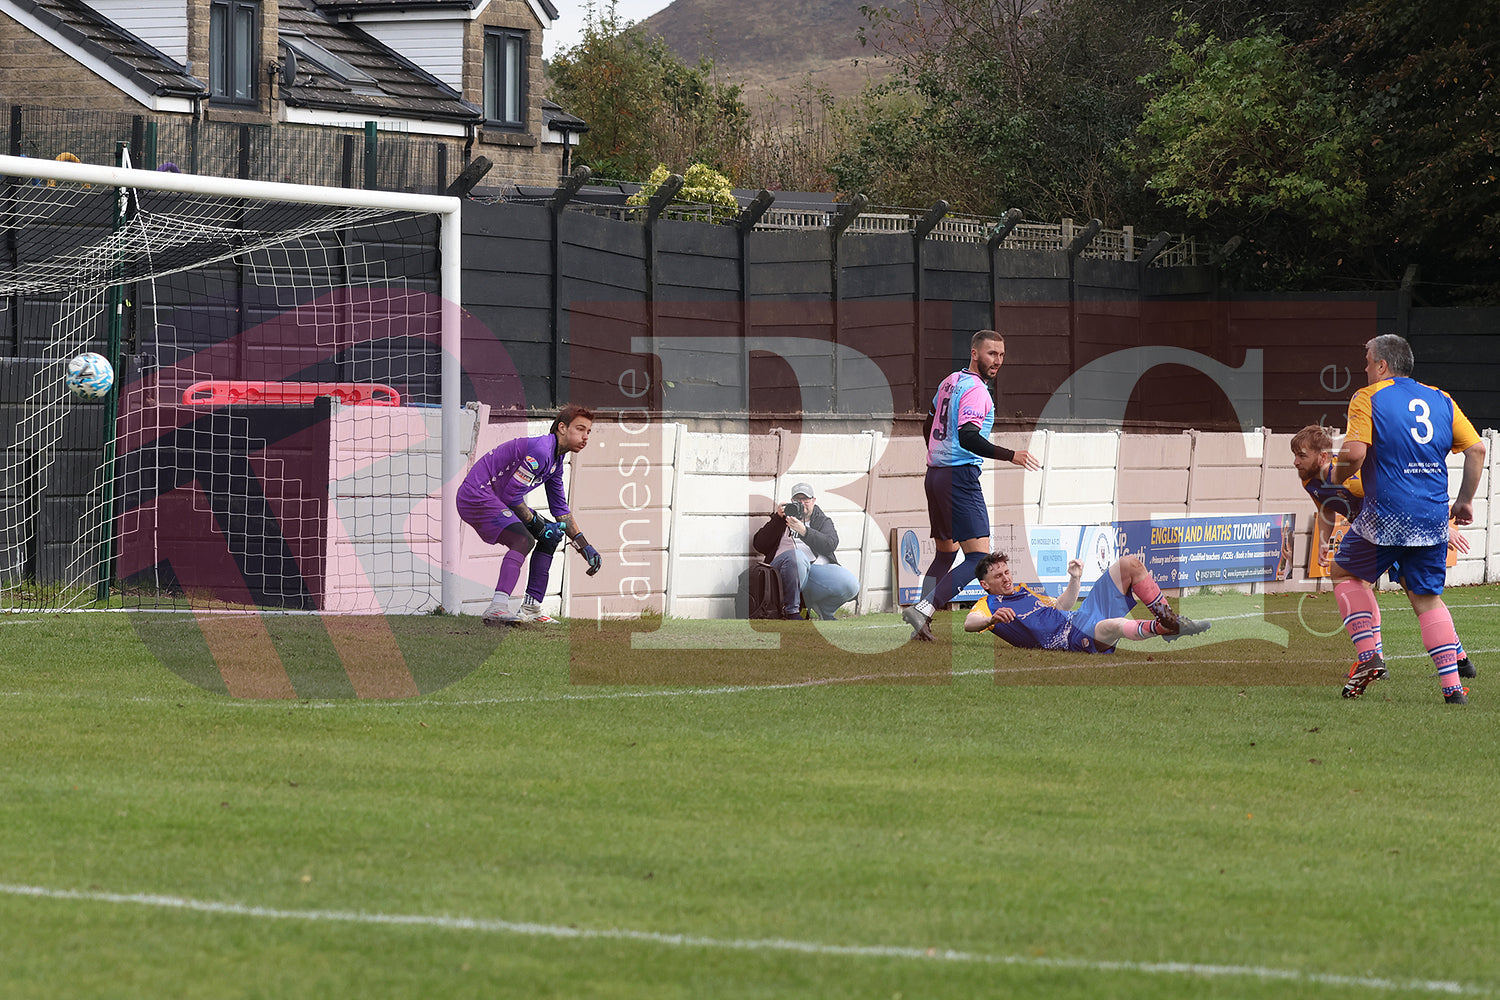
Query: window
{"x":232,"y":43}
{"x":505,"y":54}
{"x":334,"y":65}
{"x":327,"y":61}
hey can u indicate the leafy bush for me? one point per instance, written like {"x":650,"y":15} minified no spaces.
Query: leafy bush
{"x":702,"y":186}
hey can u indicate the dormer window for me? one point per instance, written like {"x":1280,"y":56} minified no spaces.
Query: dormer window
{"x":233,"y":30}
{"x":505,"y":55}
{"x":336,"y":66}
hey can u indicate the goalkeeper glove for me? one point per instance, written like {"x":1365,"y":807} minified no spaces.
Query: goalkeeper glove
{"x":589,"y":553}
{"x":547,"y":533}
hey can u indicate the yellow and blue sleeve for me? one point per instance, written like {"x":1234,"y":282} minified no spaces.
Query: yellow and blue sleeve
{"x":1361,"y":414}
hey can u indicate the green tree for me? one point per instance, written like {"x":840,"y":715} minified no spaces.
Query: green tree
{"x":609,"y":81}
{"x":1251,"y":128}
{"x":1424,"y":78}
{"x":705,"y":120}
{"x":1248,"y":137}
{"x":1345,"y":157}
{"x":702,"y":185}
{"x":643,"y":105}
{"x":957,"y":106}
{"x":1021,"y":102}
{"x":893,"y":147}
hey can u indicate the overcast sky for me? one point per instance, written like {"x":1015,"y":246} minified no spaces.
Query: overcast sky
{"x":568,"y":30}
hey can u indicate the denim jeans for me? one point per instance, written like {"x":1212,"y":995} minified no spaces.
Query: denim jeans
{"x":823,"y":589}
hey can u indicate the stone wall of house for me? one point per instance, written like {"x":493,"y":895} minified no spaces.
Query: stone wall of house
{"x":197,"y":38}
{"x":513,"y":153}
{"x":32,"y":71}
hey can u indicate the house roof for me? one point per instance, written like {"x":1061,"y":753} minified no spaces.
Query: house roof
{"x":114,"y":46}
{"x":797,"y":201}
{"x":385,"y":82}
{"x":359,"y":6}
{"x":355,"y":6}
{"x":554,"y":117}
{"x":339,"y":66}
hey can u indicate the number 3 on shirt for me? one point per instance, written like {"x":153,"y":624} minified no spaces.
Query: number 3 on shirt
{"x":1422,"y":433}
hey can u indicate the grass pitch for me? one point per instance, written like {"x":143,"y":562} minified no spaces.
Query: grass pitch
{"x":719,"y":810}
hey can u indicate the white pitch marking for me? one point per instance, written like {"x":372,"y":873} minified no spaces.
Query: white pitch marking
{"x":664,"y":692}
{"x":528,"y":929}
{"x":1093,"y":663}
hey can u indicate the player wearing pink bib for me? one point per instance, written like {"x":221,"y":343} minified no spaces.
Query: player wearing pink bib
{"x":957,"y":445}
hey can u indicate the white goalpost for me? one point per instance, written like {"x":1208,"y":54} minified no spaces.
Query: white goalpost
{"x":285,"y":428}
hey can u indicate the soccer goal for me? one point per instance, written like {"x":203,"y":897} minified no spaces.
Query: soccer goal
{"x":284,"y":427}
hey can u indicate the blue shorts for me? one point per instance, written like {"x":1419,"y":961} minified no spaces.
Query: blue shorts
{"x":1104,"y":601}
{"x":955,"y":503}
{"x":1423,"y":568}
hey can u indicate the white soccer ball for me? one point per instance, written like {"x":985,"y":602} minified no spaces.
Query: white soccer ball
{"x":90,"y":376}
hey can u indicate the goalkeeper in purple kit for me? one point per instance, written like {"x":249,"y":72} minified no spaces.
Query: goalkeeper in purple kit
{"x":492,"y":501}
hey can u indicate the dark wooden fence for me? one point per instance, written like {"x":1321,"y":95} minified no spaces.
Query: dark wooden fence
{"x":569,"y":301}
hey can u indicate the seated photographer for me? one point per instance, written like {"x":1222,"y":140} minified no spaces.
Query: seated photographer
{"x":799,"y":542}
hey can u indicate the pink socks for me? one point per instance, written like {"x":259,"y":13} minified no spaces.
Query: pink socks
{"x":1361,"y":617}
{"x":1441,"y":640}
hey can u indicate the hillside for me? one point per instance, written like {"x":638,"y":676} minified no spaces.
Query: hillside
{"x":772,"y":47}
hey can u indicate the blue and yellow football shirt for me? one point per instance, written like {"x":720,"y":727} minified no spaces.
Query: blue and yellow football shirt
{"x":1410,"y":429}
{"x":1038,"y":625}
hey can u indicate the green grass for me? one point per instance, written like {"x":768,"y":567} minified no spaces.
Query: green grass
{"x":996,"y":823}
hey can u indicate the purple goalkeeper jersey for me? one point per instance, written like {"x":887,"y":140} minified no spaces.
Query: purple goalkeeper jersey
{"x":514,"y":469}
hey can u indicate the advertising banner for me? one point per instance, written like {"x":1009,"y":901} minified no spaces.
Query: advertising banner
{"x":1214,"y":550}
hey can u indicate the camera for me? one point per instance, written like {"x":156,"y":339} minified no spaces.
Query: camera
{"x":793,"y":509}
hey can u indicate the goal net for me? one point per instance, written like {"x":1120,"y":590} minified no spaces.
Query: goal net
{"x":283,"y":421}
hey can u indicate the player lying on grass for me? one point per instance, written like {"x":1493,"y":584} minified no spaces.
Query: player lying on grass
{"x":1312,"y":457}
{"x":1024,"y":618}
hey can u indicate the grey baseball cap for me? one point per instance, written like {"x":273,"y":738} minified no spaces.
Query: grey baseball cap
{"x":803,"y":490}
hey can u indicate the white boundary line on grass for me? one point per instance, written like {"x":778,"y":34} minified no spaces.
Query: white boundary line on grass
{"x":816,"y":948}
{"x":1093,"y":663}
{"x":616,"y":694}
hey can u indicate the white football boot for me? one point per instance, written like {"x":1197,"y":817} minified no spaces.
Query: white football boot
{"x":497,"y":612}
{"x":530,"y":614}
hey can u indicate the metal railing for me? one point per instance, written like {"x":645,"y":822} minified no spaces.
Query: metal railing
{"x":1109,"y":244}
{"x":301,"y":154}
